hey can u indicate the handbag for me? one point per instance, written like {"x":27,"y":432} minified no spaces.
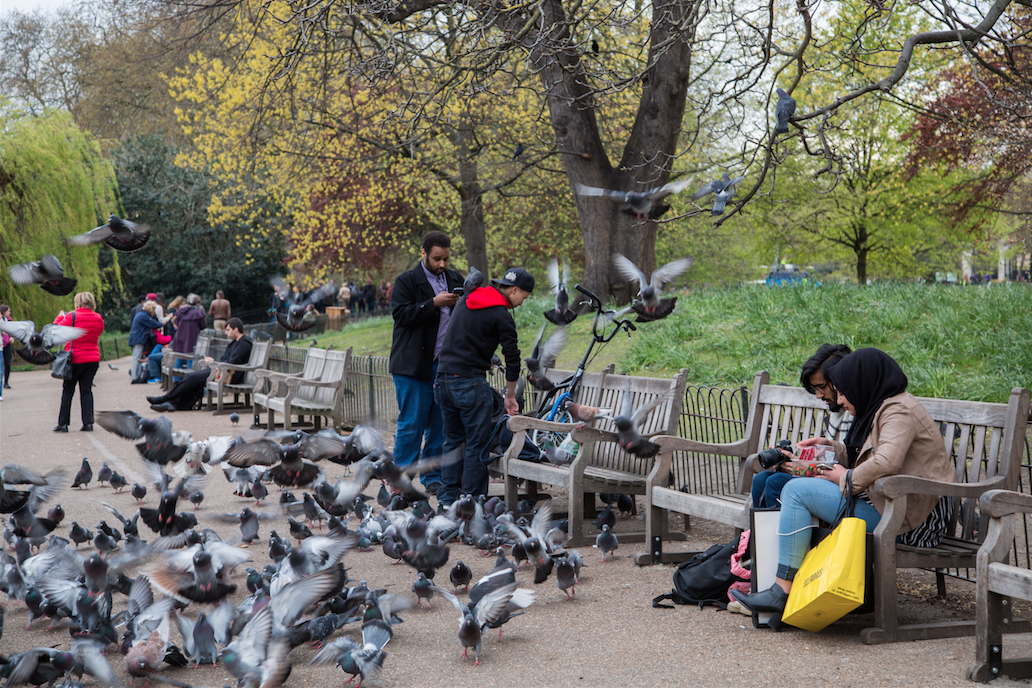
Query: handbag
{"x":62,"y":368}
{"x":832,"y":579}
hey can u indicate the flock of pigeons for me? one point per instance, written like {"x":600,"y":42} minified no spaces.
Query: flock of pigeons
{"x":161,"y":566}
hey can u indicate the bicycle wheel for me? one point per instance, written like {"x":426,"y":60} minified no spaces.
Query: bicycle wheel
{"x":551,"y":438}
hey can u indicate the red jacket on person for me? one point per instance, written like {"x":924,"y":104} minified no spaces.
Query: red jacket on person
{"x":86,"y":348}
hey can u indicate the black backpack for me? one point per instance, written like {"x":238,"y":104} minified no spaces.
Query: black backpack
{"x":704,"y":579}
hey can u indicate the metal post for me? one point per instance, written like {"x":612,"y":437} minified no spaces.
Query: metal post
{"x":372,"y":391}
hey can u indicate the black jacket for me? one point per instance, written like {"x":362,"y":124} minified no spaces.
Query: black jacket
{"x":238,"y":353}
{"x":480,"y":322}
{"x":415,"y":322}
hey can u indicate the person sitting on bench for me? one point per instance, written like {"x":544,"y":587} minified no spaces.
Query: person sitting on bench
{"x":188,"y":392}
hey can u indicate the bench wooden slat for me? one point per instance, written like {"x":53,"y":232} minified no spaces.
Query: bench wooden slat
{"x":317,"y":391}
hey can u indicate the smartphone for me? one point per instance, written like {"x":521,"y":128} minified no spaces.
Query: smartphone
{"x":458,"y":290}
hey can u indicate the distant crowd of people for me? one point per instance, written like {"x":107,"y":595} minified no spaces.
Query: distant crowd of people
{"x":156,"y":325}
{"x":368,"y":299}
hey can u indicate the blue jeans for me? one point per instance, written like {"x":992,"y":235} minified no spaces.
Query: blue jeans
{"x":154,"y":362}
{"x":767,"y":486}
{"x":182,"y":363}
{"x":419,"y":422}
{"x":466,"y":404}
{"x":801,"y":499}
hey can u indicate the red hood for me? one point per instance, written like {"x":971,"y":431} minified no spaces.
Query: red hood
{"x":486,"y":297}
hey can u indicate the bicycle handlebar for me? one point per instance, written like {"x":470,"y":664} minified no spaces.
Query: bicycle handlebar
{"x":596,"y":302}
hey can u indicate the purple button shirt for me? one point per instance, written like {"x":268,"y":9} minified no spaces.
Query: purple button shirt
{"x":438,"y":283}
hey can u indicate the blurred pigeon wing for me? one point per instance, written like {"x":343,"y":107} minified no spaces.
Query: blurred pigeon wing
{"x":642,"y":412}
{"x":89,"y":653}
{"x":19,"y":329}
{"x":26,"y":273}
{"x":51,"y":266}
{"x":629,"y":271}
{"x":122,"y":423}
{"x":94,"y":236}
{"x":553,"y":275}
{"x":59,"y":335}
{"x":708,"y":188}
{"x":333,"y":649}
{"x":553,"y":345}
{"x":261,"y":452}
{"x":667,"y":189}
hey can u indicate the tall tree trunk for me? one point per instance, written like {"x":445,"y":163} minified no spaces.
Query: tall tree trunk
{"x":472,"y":213}
{"x":862,"y":249}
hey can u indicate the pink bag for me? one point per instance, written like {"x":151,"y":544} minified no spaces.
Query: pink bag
{"x":736,"y":567}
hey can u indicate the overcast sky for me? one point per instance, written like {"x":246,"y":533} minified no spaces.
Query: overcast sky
{"x":31,"y":5}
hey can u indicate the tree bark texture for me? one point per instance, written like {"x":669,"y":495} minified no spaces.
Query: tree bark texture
{"x":471,"y":194}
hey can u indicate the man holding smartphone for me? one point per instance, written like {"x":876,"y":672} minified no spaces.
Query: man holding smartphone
{"x":421,"y":305}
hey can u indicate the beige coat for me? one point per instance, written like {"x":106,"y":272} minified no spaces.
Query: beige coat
{"x":904,"y":440}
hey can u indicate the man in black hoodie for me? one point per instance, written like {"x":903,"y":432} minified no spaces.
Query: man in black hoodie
{"x":479,"y":323}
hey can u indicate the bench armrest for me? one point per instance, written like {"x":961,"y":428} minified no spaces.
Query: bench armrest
{"x":293,"y":382}
{"x":223,"y":367}
{"x":896,"y":486}
{"x":999,"y":503}
{"x":517,"y":423}
{"x":672,"y":443}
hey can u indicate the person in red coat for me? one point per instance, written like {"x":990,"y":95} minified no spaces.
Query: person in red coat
{"x":85,"y":359}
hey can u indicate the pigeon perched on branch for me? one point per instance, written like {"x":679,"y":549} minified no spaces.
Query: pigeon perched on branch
{"x":783,"y":111}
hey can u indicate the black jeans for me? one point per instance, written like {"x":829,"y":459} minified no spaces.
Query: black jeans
{"x":467,"y":404}
{"x":188,"y":391}
{"x":7,"y":363}
{"x":82,"y":375}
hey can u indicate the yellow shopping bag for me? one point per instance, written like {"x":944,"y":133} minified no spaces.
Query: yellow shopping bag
{"x":830,"y":583}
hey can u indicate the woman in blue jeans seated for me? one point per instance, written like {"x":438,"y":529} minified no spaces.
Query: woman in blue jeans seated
{"x":892,"y":434}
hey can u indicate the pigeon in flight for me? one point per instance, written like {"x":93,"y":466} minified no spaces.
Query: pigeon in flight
{"x":561,"y":314}
{"x":294,"y":318}
{"x":724,"y":188}
{"x":641,"y":204}
{"x":652,"y":306}
{"x":543,"y":356}
{"x":37,"y":344}
{"x":488,"y":610}
{"x":629,"y":419}
{"x":783,"y":111}
{"x":46,"y":272}
{"x":119,"y":234}
{"x":158,"y":443}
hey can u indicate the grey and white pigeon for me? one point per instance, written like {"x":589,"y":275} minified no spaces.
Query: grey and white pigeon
{"x":607,"y":542}
{"x":558,"y":279}
{"x":38,"y":344}
{"x":46,"y":272}
{"x":783,"y":111}
{"x":364,"y":660}
{"x":488,"y":610}
{"x":650,"y":291}
{"x":119,"y":234}
{"x":642,"y":204}
{"x":543,"y":356}
{"x":724,"y":190}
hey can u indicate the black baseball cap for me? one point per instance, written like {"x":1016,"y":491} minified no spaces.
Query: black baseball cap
{"x":516,"y":277}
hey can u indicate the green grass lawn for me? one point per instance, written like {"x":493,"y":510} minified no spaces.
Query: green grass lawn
{"x":962,"y":343}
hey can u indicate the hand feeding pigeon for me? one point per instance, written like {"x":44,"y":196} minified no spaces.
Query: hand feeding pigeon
{"x":642,"y":204}
{"x":652,"y":306}
{"x":37,"y":344}
{"x":724,"y":188}
{"x":46,"y":272}
{"x":119,"y":234}
{"x":783,"y":111}
{"x":561,"y":314}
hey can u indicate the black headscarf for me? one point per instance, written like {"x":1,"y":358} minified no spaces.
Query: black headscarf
{"x":866,"y":377}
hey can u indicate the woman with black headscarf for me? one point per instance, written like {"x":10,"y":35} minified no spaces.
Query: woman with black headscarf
{"x":892,"y":434}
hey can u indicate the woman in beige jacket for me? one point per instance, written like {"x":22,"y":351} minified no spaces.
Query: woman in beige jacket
{"x":892,"y":434}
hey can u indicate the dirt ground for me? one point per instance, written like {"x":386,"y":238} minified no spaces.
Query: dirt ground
{"x":608,"y":635}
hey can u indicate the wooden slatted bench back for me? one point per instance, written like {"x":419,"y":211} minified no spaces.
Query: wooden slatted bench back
{"x":334,"y":369}
{"x":588,"y":389}
{"x":259,"y":358}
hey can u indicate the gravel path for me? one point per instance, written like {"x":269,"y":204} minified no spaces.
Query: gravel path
{"x":609,"y":635}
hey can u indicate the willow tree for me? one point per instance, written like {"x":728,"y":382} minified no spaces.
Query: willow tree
{"x":700,"y":78}
{"x":53,"y":183}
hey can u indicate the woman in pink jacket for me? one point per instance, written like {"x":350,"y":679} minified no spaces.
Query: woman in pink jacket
{"x":85,"y":359}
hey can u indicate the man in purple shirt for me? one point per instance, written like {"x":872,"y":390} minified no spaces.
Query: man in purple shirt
{"x":421,"y":304}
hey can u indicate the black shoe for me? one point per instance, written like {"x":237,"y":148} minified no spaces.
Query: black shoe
{"x":61,"y":428}
{"x":155,"y":400}
{"x":432,"y":488}
{"x":138,"y":382}
{"x":165,"y":407}
{"x":773,"y":599}
{"x":86,"y":428}
{"x":6,"y":386}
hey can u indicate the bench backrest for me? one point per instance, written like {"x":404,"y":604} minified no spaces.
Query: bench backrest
{"x":201,"y":346}
{"x":983,"y":440}
{"x":588,"y":389}
{"x":661,"y":420}
{"x":260,"y":358}
{"x":334,"y":369}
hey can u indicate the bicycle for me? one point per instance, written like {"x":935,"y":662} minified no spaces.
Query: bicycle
{"x":554,"y":404}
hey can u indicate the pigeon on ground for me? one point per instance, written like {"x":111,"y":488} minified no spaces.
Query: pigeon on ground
{"x":641,"y":204}
{"x":117,"y":481}
{"x":460,"y":575}
{"x":37,"y":344}
{"x":46,"y":272}
{"x":783,"y":111}
{"x":111,"y":367}
{"x":139,"y":492}
{"x":79,"y":535}
{"x":724,"y":188}
{"x":198,"y":639}
{"x":84,"y":476}
{"x":234,"y":418}
{"x":543,"y":357}
{"x":365,"y":660}
{"x":606,"y":518}
{"x":650,"y":291}
{"x":606,"y":542}
{"x":248,"y":526}
{"x":489,"y":609}
{"x":119,"y":234}
{"x":104,"y":474}
{"x":567,"y":572}
{"x":561,"y":314}
{"x":196,"y":497}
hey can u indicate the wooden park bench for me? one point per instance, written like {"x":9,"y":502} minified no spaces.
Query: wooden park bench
{"x":984,"y":442}
{"x":600,"y":465}
{"x":170,"y":370}
{"x":258,"y":360}
{"x":318,"y":391}
{"x":997,"y":582}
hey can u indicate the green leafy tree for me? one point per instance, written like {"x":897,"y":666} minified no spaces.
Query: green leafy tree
{"x":53,"y":184}
{"x":186,"y":253}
